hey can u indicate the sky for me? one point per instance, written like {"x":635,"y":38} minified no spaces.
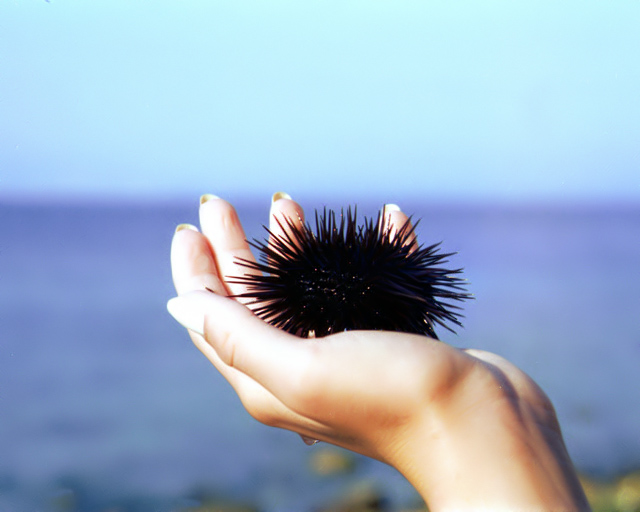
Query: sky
{"x":434,"y":100}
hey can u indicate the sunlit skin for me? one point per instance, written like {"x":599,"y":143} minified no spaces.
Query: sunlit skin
{"x":467,"y":428}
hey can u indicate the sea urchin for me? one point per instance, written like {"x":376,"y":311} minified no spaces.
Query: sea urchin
{"x":345,"y":277}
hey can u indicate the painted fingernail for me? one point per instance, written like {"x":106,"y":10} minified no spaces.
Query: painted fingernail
{"x":207,"y":197}
{"x":180,"y":227}
{"x":279,"y":195}
{"x":187,"y":314}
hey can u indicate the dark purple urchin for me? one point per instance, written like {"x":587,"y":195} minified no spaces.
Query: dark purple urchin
{"x":345,"y":277}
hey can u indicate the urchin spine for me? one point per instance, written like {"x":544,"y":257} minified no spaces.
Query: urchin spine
{"x":344,"y":277}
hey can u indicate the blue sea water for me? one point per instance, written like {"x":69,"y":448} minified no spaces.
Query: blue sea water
{"x":105,"y":402}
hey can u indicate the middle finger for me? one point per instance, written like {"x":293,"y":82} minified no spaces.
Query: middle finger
{"x":221,"y":225}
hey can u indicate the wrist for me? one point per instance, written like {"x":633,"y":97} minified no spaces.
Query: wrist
{"x":494,"y":456}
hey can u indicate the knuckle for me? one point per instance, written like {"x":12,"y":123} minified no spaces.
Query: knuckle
{"x":225,"y":347}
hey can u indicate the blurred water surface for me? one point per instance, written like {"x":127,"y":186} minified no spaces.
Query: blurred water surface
{"x":102,"y":395}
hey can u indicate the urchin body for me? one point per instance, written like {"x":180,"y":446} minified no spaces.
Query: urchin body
{"x":345,"y":277}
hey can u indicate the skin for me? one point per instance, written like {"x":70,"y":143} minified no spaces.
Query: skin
{"x":467,"y":428}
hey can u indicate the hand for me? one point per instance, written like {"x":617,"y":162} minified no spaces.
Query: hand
{"x":467,"y":428}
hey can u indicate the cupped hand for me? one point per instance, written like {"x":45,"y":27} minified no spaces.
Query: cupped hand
{"x":467,"y":428}
{"x":332,"y":389}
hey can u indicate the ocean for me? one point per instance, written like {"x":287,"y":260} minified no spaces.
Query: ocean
{"x":106,"y":404}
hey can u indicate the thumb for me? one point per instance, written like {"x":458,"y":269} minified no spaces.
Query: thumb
{"x":241,"y":340}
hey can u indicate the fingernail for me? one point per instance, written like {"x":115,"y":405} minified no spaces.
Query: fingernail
{"x":180,"y":227}
{"x":388,"y":208}
{"x":207,"y":197}
{"x":187,"y":313}
{"x":279,"y":195}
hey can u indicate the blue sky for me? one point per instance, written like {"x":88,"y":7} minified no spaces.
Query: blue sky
{"x":438,"y":100}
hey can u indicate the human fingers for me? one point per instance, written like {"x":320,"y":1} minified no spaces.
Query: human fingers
{"x":192,"y":263}
{"x":354,"y":389}
{"x":259,"y":402}
{"x":194,"y":268}
{"x":312,"y":376}
{"x":284,"y":216}
{"x":270,"y":356}
{"x":398,"y":223}
{"x":221,"y":225}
